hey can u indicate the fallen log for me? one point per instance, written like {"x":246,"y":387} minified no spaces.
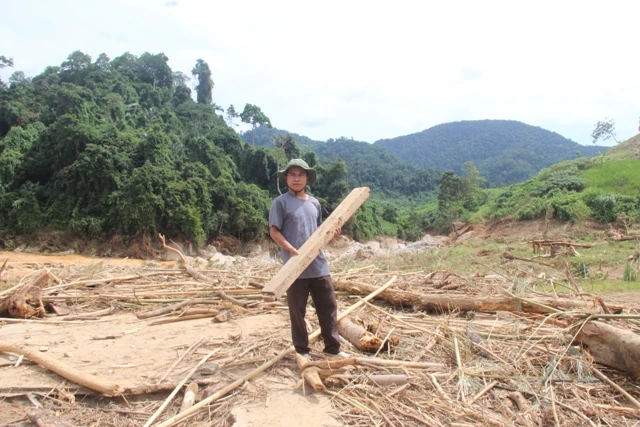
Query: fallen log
{"x":439,"y":303}
{"x":362,"y":339}
{"x":72,"y":374}
{"x":26,"y":302}
{"x":611,"y":346}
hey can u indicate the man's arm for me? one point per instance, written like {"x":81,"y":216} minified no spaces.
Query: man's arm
{"x":278,"y":237}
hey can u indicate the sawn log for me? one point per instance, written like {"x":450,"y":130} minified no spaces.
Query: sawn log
{"x":311,"y":248}
{"x":611,"y":346}
{"x":441,"y":303}
{"x":362,"y":339}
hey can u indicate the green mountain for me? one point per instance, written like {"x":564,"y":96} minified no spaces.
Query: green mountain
{"x":367,"y":164}
{"x":504,"y":151}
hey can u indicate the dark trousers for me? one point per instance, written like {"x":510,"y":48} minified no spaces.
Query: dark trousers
{"x":324,"y":298}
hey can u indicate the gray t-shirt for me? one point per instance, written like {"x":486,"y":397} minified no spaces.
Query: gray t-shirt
{"x":297,"y":219}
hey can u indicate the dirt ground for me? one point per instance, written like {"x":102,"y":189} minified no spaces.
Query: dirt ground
{"x":128,"y":351}
{"x":133,"y":352}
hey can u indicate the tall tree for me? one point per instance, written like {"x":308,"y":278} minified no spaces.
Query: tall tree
{"x":205,"y":83}
{"x":253,"y":115}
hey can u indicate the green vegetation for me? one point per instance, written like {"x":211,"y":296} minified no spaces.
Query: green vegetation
{"x":119,"y":147}
{"x":615,"y":176}
{"x":504,"y":151}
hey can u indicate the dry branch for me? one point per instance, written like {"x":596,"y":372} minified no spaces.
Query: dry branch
{"x":72,"y":374}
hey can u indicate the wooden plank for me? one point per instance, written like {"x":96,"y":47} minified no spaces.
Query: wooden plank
{"x":311,"y":248}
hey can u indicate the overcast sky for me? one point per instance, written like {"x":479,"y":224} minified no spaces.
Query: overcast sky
{"x":364,"y":69}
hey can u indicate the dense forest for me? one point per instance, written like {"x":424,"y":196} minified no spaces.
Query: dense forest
{"x":504,"y":151}
{"x":367,"y":165}
{"x":119,"y":147}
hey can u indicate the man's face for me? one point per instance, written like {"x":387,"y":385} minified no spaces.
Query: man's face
{"x":296,"y":178}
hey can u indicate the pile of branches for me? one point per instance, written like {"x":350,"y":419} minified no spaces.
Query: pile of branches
{"x":429,"y":348}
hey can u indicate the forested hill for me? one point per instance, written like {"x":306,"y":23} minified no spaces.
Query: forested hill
{"x":367,"y":165}
{"x":504,"y":151}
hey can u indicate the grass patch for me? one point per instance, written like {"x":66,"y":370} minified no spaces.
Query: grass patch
{"x":621,"y":177}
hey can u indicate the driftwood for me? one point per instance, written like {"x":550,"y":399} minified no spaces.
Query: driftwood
{"x":26,"y":302}
{"x":445,"y":303}
{"x":189,"y":396}
{"x":611,"y":346}
{"x":45,"y":418}
{"x":309,"y":373}
{"x":362,"y":339}
{"x":185,"y":264}
{"x":164,"y":310}
{"x":72,"y":374}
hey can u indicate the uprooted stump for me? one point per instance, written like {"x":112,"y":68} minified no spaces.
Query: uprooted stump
{"x":27,"y":301}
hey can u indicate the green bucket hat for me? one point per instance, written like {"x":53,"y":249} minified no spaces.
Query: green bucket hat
{"x":311,"y":173}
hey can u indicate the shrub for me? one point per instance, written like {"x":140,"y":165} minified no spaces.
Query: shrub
{"x":570,"y":207}
{"x":536,"y":208}
{"x":607,"y":207}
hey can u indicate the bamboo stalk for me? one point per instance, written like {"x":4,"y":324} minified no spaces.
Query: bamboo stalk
{"x":178,"y":387}
{"x":616,"y":386}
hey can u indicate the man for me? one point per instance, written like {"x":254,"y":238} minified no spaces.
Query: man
{"x":293,"y":218}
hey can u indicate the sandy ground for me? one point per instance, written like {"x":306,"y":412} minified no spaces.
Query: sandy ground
{"x":128,"y":351}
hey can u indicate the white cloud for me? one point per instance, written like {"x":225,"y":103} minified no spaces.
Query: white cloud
{"x":362,"y":69}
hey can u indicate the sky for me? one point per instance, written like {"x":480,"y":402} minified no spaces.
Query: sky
{"x":366,"y":70}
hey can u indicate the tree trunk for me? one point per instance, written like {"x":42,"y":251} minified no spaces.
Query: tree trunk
{"x":611,"y":346}
{"x":363,"y":340}
{"x":445,"y":303}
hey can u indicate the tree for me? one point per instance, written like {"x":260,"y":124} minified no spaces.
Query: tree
{"x":231,"y":115}
{"x":75,"y":68}
{"x":155,"y":70}
{"x":605,"y":130}
{"x":205,"y":84}
{"x":253,"y":115}
{"x":289,"y":145}
{"x":5,"y":62}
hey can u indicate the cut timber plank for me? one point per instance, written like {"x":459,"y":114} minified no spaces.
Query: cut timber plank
{"x":311,"y":248}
